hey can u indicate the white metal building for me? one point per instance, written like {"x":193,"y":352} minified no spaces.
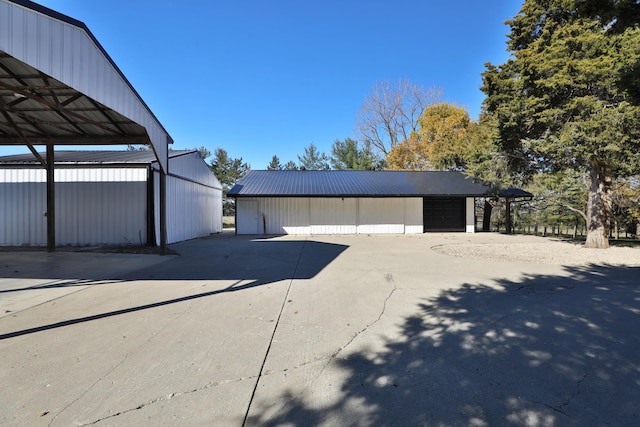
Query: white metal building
{"x":108,"y":198}
{"x":355,"y":202}
{"x":59,"y":87}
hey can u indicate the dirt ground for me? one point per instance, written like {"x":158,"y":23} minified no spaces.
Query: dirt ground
{"x":541,"y":250}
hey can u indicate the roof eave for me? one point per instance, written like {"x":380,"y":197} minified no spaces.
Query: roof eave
{"x":338,"y":196}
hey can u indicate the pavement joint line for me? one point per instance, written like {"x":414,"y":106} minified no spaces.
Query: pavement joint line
{"x":113,"y":368}
{"x":273,"y":334}
{"x":112,"y":313}
{"x":168,"y":397}
{"x":124,"y":359}
{"x":101,"y":378}
{"x":81,"y":288}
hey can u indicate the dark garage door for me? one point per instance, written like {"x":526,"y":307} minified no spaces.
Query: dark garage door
{"x":444,"y":214}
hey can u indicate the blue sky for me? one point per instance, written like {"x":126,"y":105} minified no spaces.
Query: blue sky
{"x":259,"y":78}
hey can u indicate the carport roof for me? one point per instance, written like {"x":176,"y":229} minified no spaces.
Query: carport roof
{"x":58,"y":86}
{"x":357,"y":184}
{"x":84,"y":157}
{"x":514,"y":193}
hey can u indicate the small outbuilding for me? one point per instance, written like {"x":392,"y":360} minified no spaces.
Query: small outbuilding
{"x":355,"y":202}
{"x":108,"y":198}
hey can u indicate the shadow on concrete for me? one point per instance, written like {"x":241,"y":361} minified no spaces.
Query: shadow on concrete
{"x":64,"y":283}
{"x":248,"y":262}
{"x":542,"y":351}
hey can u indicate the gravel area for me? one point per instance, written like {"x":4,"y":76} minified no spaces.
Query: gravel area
{"x":541,"y":251}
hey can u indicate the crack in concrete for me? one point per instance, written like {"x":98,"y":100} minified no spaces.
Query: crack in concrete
{"x":88,"y":389}
{"x":389,"y":279}
{"x":553,"y":408}
{"x":106,"y":374}
{"x":576,"y":392}
{"x":328,"y":360}
{"x":169,"y":396}
{"x":561,"y":409}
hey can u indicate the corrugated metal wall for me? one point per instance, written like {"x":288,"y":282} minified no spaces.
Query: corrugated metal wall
{"x":108,"y":206}
{"x":334,"y":216}
{"x":286,"y":216}
{"x":413,"y":216}
{"x":194,"y":199}
{"x":93,"y":206}
{"x":277,"y":215}
{"x":66,"y":53}
{"x":193,"y":210}
{"x":22,"y":221}
{"x":381,"y":216}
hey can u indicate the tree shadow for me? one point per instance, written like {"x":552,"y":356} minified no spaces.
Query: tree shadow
{"x":547,"y":350}
{"x":246,"y":262}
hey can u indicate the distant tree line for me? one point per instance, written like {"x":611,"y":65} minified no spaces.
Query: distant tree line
{"x":347,"y":154}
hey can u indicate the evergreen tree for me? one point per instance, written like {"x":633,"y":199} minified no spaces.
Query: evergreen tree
{"x":563,"y":100}
{"x":274,"y":164}
{"x":228,"y":170}
{"x":312,"y":159}
{"x":290,"y":166}
{"x":348,"y":155}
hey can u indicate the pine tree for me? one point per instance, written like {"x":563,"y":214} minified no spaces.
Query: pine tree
{"x":563,"y":100}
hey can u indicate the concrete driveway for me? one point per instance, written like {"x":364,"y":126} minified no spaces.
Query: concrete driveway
{"x":332,"y":331}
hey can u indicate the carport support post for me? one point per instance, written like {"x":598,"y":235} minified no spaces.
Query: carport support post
{"x":51,"y":201}
{"x":508,"y":215}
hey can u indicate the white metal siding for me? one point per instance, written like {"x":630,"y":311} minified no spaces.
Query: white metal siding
{"x":247,"y":216}
{"x":194,"y":204}
{"x":75,"y":175}
{"x":333,"y":216}
{"x":21,"y":214}
{"x":380,"y":216}
{"x":470,"y":215}
{"x":98,"y":206}
{"x":99,"y":213}
{"x":303,"y":215}
{"x":273,"y":215}
{"x":191,"y":166}
{"x":88,"y":211}
{"x":68,"y":54}
{"x":191,"y":210}
{"x":413,"y":219}
{"x":285,"y":215}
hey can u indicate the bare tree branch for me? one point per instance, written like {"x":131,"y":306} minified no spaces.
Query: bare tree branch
{"x":390,"y":113}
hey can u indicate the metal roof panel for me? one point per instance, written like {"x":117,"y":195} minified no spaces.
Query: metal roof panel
{"x":356,"y":184}
{"x":89,"y":157}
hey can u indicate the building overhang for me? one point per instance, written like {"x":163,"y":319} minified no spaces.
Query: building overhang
{"x":58,"y":86}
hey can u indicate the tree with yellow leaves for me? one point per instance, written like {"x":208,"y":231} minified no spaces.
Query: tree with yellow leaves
{"x":444,"y":139}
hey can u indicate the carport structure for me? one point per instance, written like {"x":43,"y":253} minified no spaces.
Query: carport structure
{"x":58,"y":86}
